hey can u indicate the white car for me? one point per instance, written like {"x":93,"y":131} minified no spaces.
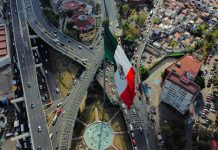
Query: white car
{"x":39,"y":128}
{"x":59,"y":104}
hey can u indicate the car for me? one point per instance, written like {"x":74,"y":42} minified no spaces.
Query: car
{"x":209,"y":98}
{"x":160,"y":139}
{"x":39,"y":128}
{"x":130,"y":127}
{"x":69,"y":41}
{"x":132,"y":135}
{"x":141,"y":130}
{"x":59,"y":104}
{"x":80,"y":47}
{"x":135,"y":148}
{"x":205,"y":111}
{"x":212,"y":110}
{"x":32,"y":106}
{"x":207,"y":102}
{"x":74,"y":81}
{"x":29,"y":84}
{"x":125,"y":112}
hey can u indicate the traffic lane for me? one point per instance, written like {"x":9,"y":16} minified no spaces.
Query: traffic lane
{"x":59,"y":124}
{"x":29,"y":76}
{"x":38,"y":118}
{"x":62,"y":49}
{"x":53,"y":31}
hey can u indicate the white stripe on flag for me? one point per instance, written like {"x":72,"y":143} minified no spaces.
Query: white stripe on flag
{"x":121,"y":60}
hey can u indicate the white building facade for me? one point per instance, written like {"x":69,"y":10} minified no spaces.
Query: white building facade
{"x":176,"y":96}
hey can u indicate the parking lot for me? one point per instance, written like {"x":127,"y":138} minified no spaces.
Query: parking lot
{"x":152,"y":89}
{"x":206,"y":104}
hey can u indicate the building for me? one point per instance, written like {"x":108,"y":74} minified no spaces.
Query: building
{"x":84,"y":25}
{"x":178,"y":88}
{"x":210,"y":6}
{"x":3,"y":44}
{"x":77,"y":7}
{"x":4,"y":48}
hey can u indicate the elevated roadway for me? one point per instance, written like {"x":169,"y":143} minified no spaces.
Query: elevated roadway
{"x":54,"y":37}
{"x":63,"y":128}
{"x":28,"y":76}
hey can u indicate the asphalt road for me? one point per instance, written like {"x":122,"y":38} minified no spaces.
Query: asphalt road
{"x":48,"y":33}
{"x":28,"y":74}
{"x":110,"y":5}
{"x":63,"y":128}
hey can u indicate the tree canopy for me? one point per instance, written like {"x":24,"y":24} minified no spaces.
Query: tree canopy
{"x":51,"y":16}
{"x":141,"y":18}
{"x":215,"y":81}
{"x":200,"y":81}
{"x":156,"y":21}
{"x":144,"y":73}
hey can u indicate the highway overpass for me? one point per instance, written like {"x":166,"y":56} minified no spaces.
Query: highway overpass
{"x":28,"y":76}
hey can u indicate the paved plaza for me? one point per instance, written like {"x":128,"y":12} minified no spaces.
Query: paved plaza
{"x":98,"y":136}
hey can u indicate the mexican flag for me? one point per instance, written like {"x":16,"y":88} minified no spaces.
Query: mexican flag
{"x":124,"y":73}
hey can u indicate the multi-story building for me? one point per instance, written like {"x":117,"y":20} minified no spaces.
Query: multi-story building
{"x":178,"y":88}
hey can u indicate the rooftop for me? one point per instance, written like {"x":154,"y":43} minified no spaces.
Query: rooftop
{"x":186,"y":66}
{"x":72,"y":5}
{"x":83,"y":22}
{"x":3,"y":44}
{"x":184,"y":82}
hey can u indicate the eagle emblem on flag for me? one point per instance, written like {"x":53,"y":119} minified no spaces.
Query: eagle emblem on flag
{"x":121,"y":72}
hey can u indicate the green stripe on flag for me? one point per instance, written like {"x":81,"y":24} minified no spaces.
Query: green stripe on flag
{"x":110,"y":45}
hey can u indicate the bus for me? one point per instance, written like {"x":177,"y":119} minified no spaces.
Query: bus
{"x":54,"y":119}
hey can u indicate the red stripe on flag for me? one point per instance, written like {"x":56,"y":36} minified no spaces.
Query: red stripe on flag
{"x":129,"y":93}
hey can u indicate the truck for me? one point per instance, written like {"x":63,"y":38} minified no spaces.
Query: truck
{"x":54,"y":119}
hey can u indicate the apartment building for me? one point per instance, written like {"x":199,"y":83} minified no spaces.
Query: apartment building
{"x":178,"y":88}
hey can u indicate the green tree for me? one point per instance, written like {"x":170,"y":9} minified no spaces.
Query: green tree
{"x":190,"y":49}
{"x":215,"y":81}
{"x":105,"y":22}
{"x":156,"y":21}
{"x":133,"y":16}
{"x":173,"y":43}
{"x":141,"y":18}
{"x":125,"y":26}
{"x":144,"y":73}
{"x":215,"y":34}
{"x":70,"y":25}
{"x":201,"y":29}
{"x":51,"y":16}
{"x":125,"y":8}
{"x":200,"y":81}
{"x":129,"y":38}
{"x":166,"y":130}
{"x":133,"y":30}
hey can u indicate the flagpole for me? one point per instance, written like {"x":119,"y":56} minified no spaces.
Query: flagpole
{"x":104,"y":84}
